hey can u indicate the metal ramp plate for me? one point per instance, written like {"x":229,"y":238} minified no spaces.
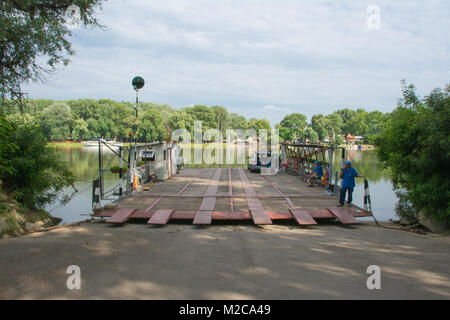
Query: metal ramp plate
{"x":203,"y":217}
{"x":255,"y":206}
{"x":160,"y":216}
{"x":260,"y":217}
{"x":303,"y":217}
{"x":344,"y":215}
{"x":121,"y":215}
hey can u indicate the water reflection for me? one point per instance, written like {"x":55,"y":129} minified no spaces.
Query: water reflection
{"x":380,"y":186}
{"x":84,"y":164}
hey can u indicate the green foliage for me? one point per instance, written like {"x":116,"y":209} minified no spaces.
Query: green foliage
{"x":31,"y":172}
{"x":56,"y":121}
{"x":259,"y":124}
{"x":152,"y":127}
{"x":181,"y":120}
{"x":237,"y":122}
{"x":6,"y":145}
{"x":80,"y":130}
{"x":415,"y":146}
{"x":311,"y":135}
{"x":32,"y":29}
{"x":320,"y":125}
{"x":293,"y":125}
{"x":339,"y":140}
{"x":84,"y":119}
{"x":204,"y":114}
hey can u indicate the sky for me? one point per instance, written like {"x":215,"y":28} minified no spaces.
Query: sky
{"x":259,"y":58}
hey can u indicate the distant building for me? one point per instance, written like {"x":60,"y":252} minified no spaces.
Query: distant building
{"x":349,"y":138}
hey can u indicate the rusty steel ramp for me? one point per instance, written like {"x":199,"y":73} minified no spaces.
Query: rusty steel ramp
{"x":344,"y":215}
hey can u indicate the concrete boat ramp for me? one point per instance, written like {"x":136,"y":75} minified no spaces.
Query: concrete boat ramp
{"x":209,"y":195}
{"x":291,"y":260}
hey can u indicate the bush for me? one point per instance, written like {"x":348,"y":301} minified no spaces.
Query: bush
{"x":415,"y":146}
{"x":31,"y":173}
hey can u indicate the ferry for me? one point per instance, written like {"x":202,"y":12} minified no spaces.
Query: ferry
{"x":94,"y":143}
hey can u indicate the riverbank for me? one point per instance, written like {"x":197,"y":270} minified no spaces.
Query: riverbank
{"x":182,"y":261}
{"x":15,"y":220}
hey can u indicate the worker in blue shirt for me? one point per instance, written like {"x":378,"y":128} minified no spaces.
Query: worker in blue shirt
{"x":317,"y":173}
{"x":348,"y":175}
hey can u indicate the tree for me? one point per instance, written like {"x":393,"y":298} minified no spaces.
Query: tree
{"x":181,"y":120}
{"x":286,"y":134}
{"x":6,"y":146}
{"x":259,"y":124}
{"x":320,"y":125}
{"x":237,"y":121}
{"x":151,"y":126}
{"x":311,"y":135}
{"x":293,"y":124}
{"x":33,"y":29}
{"x":31,"y":172}
{"x":82,"y":108}
{"x":376,"y":122}
{"x":346,"y":115}
{"x":415,"y":146}
{"x":204,"y":114}
{"x":80,"y":130}
{"x":333,"y":124}
{"x":94,"y":127}
{"x":221,"y":118}
{"x":56,"y":121}
{"x":105,"y":116}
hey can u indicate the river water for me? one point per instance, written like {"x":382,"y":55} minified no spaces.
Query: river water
{"x":84,"y":164}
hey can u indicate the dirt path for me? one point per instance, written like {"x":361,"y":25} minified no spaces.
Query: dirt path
{"x":136,"y":261}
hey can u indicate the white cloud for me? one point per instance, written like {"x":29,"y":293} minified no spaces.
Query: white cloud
{"x":305,"y":56}
{"x":271,"y":107}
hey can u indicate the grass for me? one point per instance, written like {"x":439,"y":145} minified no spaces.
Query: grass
{"x":213,"y":147}
{"x":65,"y":144}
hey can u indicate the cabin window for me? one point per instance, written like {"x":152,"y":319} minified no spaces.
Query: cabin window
{"x":165,"y":155}
{"x":147,"y":155}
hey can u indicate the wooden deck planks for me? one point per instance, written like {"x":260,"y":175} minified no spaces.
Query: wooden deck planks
{"x":185,"y":187}
{"x":303,"y":217}
{"x":160,"y":217}
{"x":344,"y":215}
{"x":154,"y":203}
{"x":121,"y":215}
{"x":208,"y":203}
{"x":255,"y":206}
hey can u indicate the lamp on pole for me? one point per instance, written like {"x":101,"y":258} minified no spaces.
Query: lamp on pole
{"x":138,"y":83}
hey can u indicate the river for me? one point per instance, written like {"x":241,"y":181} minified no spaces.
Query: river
{"x":84,"y":164}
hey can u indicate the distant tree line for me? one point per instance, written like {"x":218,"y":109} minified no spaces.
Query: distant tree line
{"x":333,"y":126}
{"x":84,"y":119}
